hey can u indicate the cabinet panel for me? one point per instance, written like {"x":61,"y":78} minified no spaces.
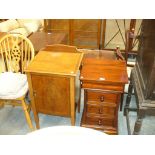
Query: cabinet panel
{"x":51,"y":94}
{"x":86,"y":25}
{"x":85,"y":39}
{"x":84,"y":33}
{"x":57,"y":25}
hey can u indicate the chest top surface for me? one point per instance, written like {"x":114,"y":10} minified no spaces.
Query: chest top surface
{"x":61,"y":63}
{"x":104,"y":71}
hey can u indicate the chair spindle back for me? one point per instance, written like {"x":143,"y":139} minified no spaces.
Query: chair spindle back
{"x":16,"y":52}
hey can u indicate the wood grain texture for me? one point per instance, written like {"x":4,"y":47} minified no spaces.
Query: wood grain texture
{"x":103,"y":109}
{"x":61,"y":63}
{"x":52,"y":83}
{"x":68,"y":49}
{"x":103,"y":82}
{"x":100,"y":96}
{"x":72,"y":99}
{"x":83,"y":33}
{"x":50,"y":94}
{"x":60,"y":48}
{"x":99,"y":71}
{"x":42,"y":39}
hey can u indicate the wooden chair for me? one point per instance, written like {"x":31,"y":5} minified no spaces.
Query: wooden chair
{"x":16,"y":52}
{"x":66,"y":48}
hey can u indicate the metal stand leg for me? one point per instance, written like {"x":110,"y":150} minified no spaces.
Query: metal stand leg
{"x":122,"y":98}
{"x":128,"y":99}
{"x":127,"y":104}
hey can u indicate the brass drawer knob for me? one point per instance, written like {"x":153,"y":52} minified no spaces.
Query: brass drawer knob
{"x":99,"y":122}
{"x":100,"y":111}
{"x":34,"y":93}
{"x":102,"y":98}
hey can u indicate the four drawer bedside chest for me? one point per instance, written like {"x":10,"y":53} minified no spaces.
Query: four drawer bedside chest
{"x":51,"y":78}
{"x":103,"y":83}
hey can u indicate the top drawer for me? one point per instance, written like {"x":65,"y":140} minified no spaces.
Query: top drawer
{"x":100,"y":96}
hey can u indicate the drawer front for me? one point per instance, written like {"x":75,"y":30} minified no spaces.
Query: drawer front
{"x":101,"y":109}
{"x":96,"y":121}
{"x":101,"y":96}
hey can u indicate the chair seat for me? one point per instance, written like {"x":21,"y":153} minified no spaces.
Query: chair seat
{"x":12,"y":85}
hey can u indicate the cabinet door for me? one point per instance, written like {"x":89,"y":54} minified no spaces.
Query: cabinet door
{"x":83,"y":33}
{"x":51,"y":94}
{"x":57,"y":25}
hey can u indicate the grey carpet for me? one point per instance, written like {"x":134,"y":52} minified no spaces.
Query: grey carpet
{"x":12,"y":121}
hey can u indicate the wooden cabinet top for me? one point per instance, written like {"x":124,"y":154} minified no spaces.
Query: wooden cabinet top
{"x":104,"y":71}
{"x":60,"y":63}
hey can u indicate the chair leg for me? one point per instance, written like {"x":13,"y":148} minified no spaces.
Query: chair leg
{"x":27,"y":115}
